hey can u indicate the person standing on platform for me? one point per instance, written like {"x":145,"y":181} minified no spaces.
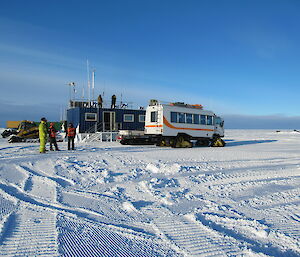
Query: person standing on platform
{"x":43,"y":132}
{"x":71,"y":132}
{"x":52,"y":136}
{"x":100,"y":101}
{"x":113,"y":101}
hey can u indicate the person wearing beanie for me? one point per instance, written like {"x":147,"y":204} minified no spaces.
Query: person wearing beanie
{"x":52,"y":137}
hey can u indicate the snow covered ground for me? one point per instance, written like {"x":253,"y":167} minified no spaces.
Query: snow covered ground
{"x":105,"y":199}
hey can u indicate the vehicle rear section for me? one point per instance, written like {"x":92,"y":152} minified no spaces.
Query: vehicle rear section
{"x":154,"y":120}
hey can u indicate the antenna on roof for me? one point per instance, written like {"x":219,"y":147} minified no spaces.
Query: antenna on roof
{"x":88,"y":81}
{"x":103,"y":94}
{"x":72,"y":84}
{"x":82,"y":93}
{"x":93,"y":84}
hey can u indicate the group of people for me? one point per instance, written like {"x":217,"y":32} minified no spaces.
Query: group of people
{"x":45,"y":132}
{"x":113,"y":101}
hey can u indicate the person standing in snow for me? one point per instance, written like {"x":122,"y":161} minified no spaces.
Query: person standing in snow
{"x":43,"y":134}
{"x":71,"y":133}
{"x":52,"y":136}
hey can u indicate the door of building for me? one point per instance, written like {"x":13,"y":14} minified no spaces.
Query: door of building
{"x":109,"y":120}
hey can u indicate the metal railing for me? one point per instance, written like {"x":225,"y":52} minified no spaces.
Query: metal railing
{"x":105,"y":127}
{"x":99,"y":137}
{"x":105,"y":104}
{"x":101,"y":132}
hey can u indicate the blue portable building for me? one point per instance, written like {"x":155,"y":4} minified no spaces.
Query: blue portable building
{"x":92,"y":119}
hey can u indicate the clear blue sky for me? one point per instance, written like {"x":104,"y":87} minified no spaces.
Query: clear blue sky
{"x":234,"y":57}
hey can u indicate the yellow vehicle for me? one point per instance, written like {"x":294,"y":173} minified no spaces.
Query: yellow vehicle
{"x":27,"y":130}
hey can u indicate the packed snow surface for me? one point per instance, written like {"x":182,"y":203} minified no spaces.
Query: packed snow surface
{"x":106,"y":199}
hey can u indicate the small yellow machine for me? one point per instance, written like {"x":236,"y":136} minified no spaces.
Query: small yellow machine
{"x":26,"y":130}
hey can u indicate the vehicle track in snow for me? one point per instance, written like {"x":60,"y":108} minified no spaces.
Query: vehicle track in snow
{"x":285,"y":219}
{"x":281,"y":216}
{"x":31,"y":231}
{"x":210,"y":186}
{"x":239,"y":177}
{"x":186,"y":204}
{"x":284,"y":197}
{"x":210,"y":183}
{"x":6,"y":207}
{"x":83,"y":238}
{"x":192,"y":238}
{"x":251,"y":233}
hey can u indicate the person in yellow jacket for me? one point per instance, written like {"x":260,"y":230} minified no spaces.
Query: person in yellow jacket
{"x":43,"y":132}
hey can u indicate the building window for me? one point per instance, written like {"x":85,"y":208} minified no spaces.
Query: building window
{"x":189,"y":118}
{"x":91,"y":117}
{"x":209,"y":120}
{"x":141,"y":118}
{"x":128,"y":118}
{"x":153,"y":116}
{"x":203,"y":120}
{"x":181,"y":117}
{"x":174,"y":117}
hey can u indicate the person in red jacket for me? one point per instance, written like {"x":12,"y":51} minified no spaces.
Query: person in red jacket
{"x":52,"y":137}
{"x":71,"y":132}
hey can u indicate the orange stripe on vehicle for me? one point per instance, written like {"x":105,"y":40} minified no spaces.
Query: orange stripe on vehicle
{"x":153,"y":126}
{"x":173,"y":127}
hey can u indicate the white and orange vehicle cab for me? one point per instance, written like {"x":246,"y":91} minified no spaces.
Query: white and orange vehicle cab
{"x":176,"y":124}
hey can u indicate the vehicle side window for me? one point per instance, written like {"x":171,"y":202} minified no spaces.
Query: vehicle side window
{"x":209,"y":120}
{"x":181,"y":118}
{"x":189,"y":118}
{"x":203,"y":120}
{"x":217,"y":121}
{"x":196,"y":118}
{"x":174,"y":116}
{"x":153,"y":116}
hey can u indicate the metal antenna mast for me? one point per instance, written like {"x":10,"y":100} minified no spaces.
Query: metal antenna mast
{"x":89,"y":83}
{"x":72,"y":84}
{"x":93,"y":84}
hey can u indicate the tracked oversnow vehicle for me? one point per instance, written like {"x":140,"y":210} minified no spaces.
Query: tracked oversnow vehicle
{"x":177,"y":125}
{"x":27,"y":131}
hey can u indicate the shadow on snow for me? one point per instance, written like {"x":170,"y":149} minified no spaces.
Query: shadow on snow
{"x":247,"y":142}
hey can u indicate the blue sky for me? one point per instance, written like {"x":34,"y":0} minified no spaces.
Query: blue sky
{"x":234,"y":57}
